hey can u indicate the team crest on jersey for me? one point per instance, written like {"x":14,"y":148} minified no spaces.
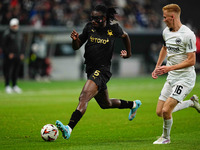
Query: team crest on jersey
{"x":178,"y":41}
{"x":110,"y":32}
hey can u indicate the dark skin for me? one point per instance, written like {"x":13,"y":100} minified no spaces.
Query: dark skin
{"x":90,"y":88}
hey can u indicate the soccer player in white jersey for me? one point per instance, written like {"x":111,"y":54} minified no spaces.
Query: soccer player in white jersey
{"x":180,"y":48}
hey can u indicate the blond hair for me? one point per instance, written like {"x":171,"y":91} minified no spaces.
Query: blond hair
{"x":172,"y":8}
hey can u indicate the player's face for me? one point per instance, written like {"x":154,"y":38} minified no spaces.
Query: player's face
{"x":168,"y":18}
{"x":97,"y":19}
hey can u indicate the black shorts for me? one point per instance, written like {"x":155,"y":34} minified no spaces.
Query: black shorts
{"x":100,"y":78}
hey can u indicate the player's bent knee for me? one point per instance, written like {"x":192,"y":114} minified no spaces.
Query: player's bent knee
{"x":159,"y":114}
{"x":105,"y":106}
{"x":166,"y":113}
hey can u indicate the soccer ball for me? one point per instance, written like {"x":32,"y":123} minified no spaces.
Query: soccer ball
{"x":49,"y":132}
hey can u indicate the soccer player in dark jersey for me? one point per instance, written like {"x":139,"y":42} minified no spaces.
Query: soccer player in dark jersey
{"x":99,"y":35}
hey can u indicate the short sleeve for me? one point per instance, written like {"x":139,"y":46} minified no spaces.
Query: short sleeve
{"x":163,"y":38}
{"x":118,"y":32}
{"x":190,"y":43}
{"x":163,"y":41}
{"x":84,"y":35}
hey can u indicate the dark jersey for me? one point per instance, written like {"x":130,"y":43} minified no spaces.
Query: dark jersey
{"x":100,"y":45}
{"x":11,"y":43}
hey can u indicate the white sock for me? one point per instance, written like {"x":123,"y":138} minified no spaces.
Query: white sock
{"x":70,"y":129}
{"x":167,"y":124}
{"x":134,"y":104}
{"x":183,"y":105}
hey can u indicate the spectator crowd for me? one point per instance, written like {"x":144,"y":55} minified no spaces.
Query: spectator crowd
{"x":131,"y":13}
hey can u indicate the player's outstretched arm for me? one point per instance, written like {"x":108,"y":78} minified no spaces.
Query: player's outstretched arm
{"x":162,"y":55}
{"x":190,"y":61}
{"x":76,"y":43}
{"x":126,"y":40}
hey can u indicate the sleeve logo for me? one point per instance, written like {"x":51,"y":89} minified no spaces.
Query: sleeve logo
{"x":190,"y":44}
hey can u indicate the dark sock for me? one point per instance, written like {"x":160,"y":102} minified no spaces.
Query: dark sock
{"x":76,"y":116}
{"x":126,"y":104}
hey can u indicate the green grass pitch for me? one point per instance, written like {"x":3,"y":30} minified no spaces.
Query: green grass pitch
{"x":23,"y":115}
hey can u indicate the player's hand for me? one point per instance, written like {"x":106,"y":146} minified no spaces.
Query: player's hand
{"x":163,"y":70}
{"x":74,"y":35}
{"x":123,"y":54}
{"x":154,"y":75}
{"x":156,"y":72}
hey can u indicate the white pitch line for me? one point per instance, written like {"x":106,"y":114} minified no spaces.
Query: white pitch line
{"x":42,"y":92}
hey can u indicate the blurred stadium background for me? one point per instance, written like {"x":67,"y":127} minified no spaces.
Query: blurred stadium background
{"x":43,"y":103}
{"x":55,"y":19}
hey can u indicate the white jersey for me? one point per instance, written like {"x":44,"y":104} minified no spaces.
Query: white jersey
{"x":178,"y":45}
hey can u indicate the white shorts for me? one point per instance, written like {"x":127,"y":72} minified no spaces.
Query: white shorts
{"x":177,"y":90}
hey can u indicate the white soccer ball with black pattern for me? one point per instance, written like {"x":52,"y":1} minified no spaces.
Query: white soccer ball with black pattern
{"x":49,"y":132}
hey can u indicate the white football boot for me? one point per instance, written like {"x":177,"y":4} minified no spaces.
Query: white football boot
{"x":162,"y":140}
{"x":17,"y":89}
{"x":8,"y":90}
{"x":195,"y":100}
